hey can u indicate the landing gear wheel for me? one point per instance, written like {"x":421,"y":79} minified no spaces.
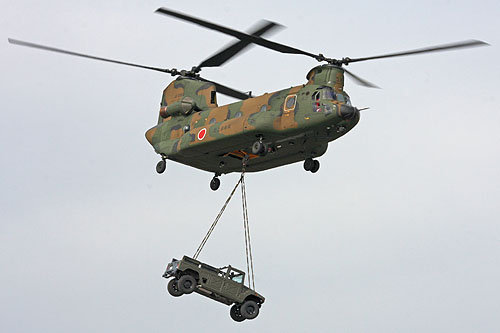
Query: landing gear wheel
{"x":249,"y":310}
{"x":173,"y":288}
{"x":259,"y":148}
{"x":187,"y":284}
{"x":236,"y":314}
{"x":315,"y":167}
{"x":161,"y":166}
{"x":308,"y":164}
{"x":215,"y":183}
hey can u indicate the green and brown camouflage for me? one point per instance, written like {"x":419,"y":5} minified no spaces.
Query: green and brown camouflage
{"x":225,"y":285}
{"x":295,"y":123}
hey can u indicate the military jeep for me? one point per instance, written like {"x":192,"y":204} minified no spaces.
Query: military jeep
{"x":225,"y":285}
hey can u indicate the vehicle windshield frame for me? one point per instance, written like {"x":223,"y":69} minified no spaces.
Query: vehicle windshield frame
{"x":235,"y":275}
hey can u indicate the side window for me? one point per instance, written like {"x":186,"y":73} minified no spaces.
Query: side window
{"x":290,"y":102}
{"x":263,"y":108}
{"x":315,"y":104}
{"x":238,"y":114}
{"x":212,"y":121}
{"x":316,"y":107}
{"x":213,"y":98}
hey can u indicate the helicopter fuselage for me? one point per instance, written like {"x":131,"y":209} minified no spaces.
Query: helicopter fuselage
{"x":294,"y":124}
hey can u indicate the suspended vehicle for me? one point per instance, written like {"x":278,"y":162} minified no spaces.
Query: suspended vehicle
{"x":225,"y":285}
{"x":274,"y":129}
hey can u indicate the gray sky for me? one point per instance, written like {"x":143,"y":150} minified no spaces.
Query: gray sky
{"x":397,"y":232}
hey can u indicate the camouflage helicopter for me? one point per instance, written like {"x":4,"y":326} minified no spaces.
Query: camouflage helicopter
{"x":274,"y":129}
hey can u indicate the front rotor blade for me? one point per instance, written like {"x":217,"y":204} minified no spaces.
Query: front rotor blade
{"x":240,"y":35}
{"x":230,"y":51}
{"x":437,"y":48}
{"x":53,"y":49}
{"x":220,"y":88}
{"x":360,"y":81}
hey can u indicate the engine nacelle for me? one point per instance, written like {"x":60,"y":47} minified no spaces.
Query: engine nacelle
{"x":183,"y":107}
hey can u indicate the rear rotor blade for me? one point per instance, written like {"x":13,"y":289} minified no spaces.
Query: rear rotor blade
{"x":437,"y":48}
{"x":228,"y":91}
{"x":240,"y":35}
{"x":360,"y":81}
{"x":265,"y":27}
{"x":53,"y":49}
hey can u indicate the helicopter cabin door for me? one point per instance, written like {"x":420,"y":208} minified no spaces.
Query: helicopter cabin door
{"x":288,"y":117}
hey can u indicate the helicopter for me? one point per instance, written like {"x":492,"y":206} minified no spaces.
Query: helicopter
{"x":262,"y":132}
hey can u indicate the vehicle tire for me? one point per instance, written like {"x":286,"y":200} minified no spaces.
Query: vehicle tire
{"x":249,"y":310}
{"x":161,"y":166}
{"x":308,"y":164}
{"x":258,"y":148}
{"x":214,"y":184}
{"x":173,"y":288}
{"x":187,"y":284}
{"x":315,"y":167}
{"x":235,"y":313}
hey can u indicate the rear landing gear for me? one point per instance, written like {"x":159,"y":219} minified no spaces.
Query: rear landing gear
{"x":161,"y":166}
{"x":308,"y":164}
{"x":311,"y":165}
{"x":215,"y":183}
{"x":259,"y":148}
{"x":315,"y":167}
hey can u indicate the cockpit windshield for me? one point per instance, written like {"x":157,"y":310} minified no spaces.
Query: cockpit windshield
{"x":324,"y":93}
{"x":327,"y":93}
{"x":344,"y":99}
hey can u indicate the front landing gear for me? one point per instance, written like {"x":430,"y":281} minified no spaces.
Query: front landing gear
{"x":311,"y":165}
{"x":161,"y":166}
{"x":215,"y":183}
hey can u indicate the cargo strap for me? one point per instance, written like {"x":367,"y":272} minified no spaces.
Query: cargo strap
{"x":246,"y":227}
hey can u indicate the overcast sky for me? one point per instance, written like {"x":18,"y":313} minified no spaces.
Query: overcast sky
{"x":397,"y":232}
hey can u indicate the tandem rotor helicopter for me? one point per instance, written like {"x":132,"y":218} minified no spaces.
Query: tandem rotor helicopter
{"x":278,"y":128}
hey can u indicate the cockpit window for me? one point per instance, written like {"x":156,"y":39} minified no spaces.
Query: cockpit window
{"x":327,"y":93}
{"x":344,"y":99}
{"x":315,"y":96}
{"x":324,"y":93}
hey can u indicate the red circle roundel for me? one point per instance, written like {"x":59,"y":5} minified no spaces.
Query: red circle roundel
{"x":202,"y":133}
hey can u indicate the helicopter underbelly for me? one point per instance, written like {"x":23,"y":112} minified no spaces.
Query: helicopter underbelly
{"x":232,"y":161}
{"x":225,"y":156}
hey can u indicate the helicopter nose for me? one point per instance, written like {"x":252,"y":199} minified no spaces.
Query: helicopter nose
{"x":150,"y":133}
{"x":347,"y":111}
